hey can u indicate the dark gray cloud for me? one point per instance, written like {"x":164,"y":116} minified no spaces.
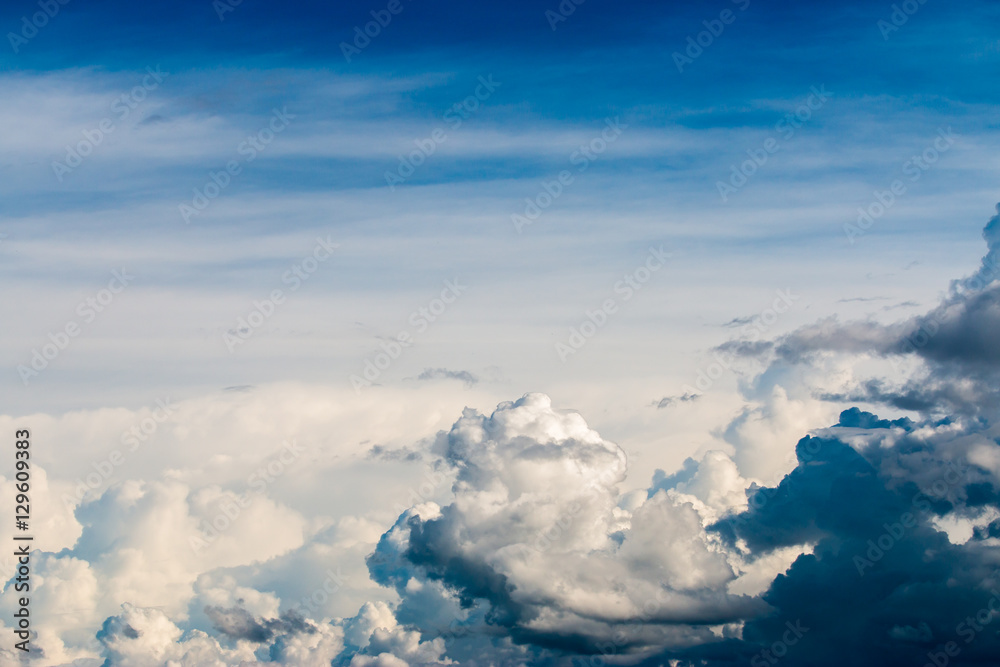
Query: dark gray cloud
{"x":667,"y":401}
{"x":238,"y":623}
{"x":958,"y":341}
{"x":739,"y":321}
{"x":918,"y":398}
{"x":891,"y":526}
{"x":963,"y":329}
{"x":880,"y":581}
{"x":831,"y":335}
{"x":380,"y":453}
{"x":883,"y":585}
{"x":988,"y":269}
{"x":534,"y":521}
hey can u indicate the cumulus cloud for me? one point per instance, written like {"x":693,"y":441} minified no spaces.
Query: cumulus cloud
{"x":138,"y":637}
{"x":238,"y":623}
{"x":274,"y":530}
{"x":811,"y":533}
{"x":954,"y":343}
{"x":535,"y":531}
{"x":878,"y":562}
{"x":872,"y":541}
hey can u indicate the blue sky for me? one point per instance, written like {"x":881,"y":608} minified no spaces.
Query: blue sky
{"x":326,"y":172}
{"x":291,"y":243}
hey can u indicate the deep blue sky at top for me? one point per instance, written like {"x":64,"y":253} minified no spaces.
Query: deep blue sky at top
{"x":604,"y":57}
